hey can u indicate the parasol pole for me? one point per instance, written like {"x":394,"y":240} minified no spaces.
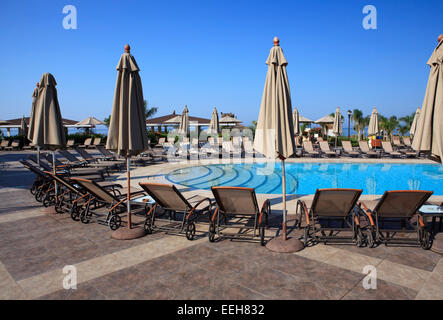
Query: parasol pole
{"x":128,"y":198}
{"x":55,"y":172}
{"x":283,"y":173}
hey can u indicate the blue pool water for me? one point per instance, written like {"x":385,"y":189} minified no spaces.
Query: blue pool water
{"x":305,"y":178}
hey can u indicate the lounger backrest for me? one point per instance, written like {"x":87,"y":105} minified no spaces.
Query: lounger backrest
{"x":104,"y":151}
{"x":85,"y":155}
{"x":167,"y":196}
{"x":227,"y":146}
{"x":62,"y":181}
{"x":70,"y":143}
{"x":363,"y":146}
{"x":347,"y":146}
{"x":5,"y":143}
{"x":96,"y":190}
{"x":324,"y":146}
{"x":396,"y":140}
{"x":248,"y":146}
{"x":68,"y":155}
{"x":407,"y":141}
{"x":335,"y":202}
{"x":387,"y":146}
{"x":307,"y":145}
{"x":236,"y":200}
{"x":97,"y":141}
{"x":88,"y":142}
{"x":211,"y":140}
{"x":320,"y":139}
{"x":34,"y":169}
{"x":44,"y":165}
{"x":161,"y":140}
{"x":48,"y":158}
{"x":15,"y":143}
{"x":401,"y":203}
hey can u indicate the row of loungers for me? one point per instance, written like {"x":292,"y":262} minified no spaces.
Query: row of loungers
{"x":362,"y":150}
{"x":335,"y":215}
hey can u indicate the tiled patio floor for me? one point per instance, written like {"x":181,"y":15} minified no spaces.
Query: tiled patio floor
{"x":35,"y":246}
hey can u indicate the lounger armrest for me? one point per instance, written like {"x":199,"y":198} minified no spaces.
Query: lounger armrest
{"x":265,"y":209}
{"x":198,"y":203}
{"x":305,"y":212}
{"x":367,"y":212}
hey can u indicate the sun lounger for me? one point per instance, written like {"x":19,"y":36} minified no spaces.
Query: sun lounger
{"x":229,"y":149}
{"x":75,"y":170}
{"x":396,"y":141}
{"x":86,"y":143}
{"x":348,"y":150}
{"x":309,"y":149}
{"x":326,"y":150}
{"x":4,"y":144}
{"x":70,"y":144}
{"x":237,"y":208}
{"x":169,"y":202}
{"x":116,"y":204}
{"x":397,"y":212}
{"x":387,"y":149}
{"x":407,"y":142}
{"x":249,"y":148}
{"x":332,"y":213}
{"x":364,"y":148}
{"x":41,"y":184}
{"x":15,"y":145}
{"x":97,"y":161}
{"x":95,"y":142}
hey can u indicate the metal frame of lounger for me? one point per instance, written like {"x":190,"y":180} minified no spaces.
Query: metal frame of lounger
{"x":95,"y":161}
{"x":171,"y":201}
{"x":329,"y":208}
{"x":42,"y":184}
{"x":236,"y":214}
{"x":397,"y":208}
{"x":98,"y":196}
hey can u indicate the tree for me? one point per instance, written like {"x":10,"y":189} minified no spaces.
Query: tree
{"x":253,"y":126}
{"x":407,"y":120}
{"x":357,"y":118}
{"x":107,"y":120}
{"x":149,"y":112}
{"x":388,"y":125}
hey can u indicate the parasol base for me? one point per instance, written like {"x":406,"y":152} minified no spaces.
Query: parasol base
{"x":437,"y":244}
{"x":278,"y":244}
{"x":128,"y":234}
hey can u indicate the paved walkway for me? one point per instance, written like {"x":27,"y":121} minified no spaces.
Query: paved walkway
{"x":36,"y":246}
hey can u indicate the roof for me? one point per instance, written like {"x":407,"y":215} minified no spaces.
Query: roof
{"x":162,"y":120}
{"x":325,"y":119}
{"x":303,"y":119}
{"x":228,"y":119}
{"x":17,"y":122}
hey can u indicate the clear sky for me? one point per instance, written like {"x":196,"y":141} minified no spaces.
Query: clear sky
{"x":212,"y":53}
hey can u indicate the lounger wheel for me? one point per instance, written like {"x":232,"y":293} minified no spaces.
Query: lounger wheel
{"x":48,"y":200}
{"x":115,"y":222}
{"x":370,"y":238}
{"x":212,"y":232}
{"x":38,"y":196}
{"x":84,"y":217}
{"x":75,"y":213}
{"x":359,"y":241}
{"x":190,"y":230}
{"x":148,"y":225}
{"x":425,"y":239}
{"x":33,"y":189}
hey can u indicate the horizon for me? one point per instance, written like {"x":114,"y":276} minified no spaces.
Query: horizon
{"x":213,"y":54}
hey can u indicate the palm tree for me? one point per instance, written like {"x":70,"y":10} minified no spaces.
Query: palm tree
{"x":253,"y":126}
{"x":357,"y":117}
{"x":408,"y":123}
{"x":388,"y":125}
{"x":149,"y":112}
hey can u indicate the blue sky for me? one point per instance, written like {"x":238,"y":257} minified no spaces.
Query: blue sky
{"x":213,"y":53}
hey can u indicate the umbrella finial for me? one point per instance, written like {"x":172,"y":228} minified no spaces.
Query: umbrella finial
{"x":440,"y":38}
{"x":127,"y":48}
{"x":276,"y":41}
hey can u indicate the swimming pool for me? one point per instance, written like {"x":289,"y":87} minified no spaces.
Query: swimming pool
{"x":305,"y":178}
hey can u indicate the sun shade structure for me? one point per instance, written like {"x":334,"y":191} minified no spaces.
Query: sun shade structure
{"x":414,"y":122}
{"x":274,"y":136}
{"x":296,"y":121}
{"x":373,"y":123}
{"x":127,"y":129}
{"x":48,"y":130}
{"x":302,"y":119}
{"x":214,"y":126}
{"x":324,"y":122}
{"x":337,"y":127}
{"x":32,"y":117}
{"x":227,"y":120}
{"x":184,"y":122}
{"x":429,"y":132}
{"x":90,"y":121}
